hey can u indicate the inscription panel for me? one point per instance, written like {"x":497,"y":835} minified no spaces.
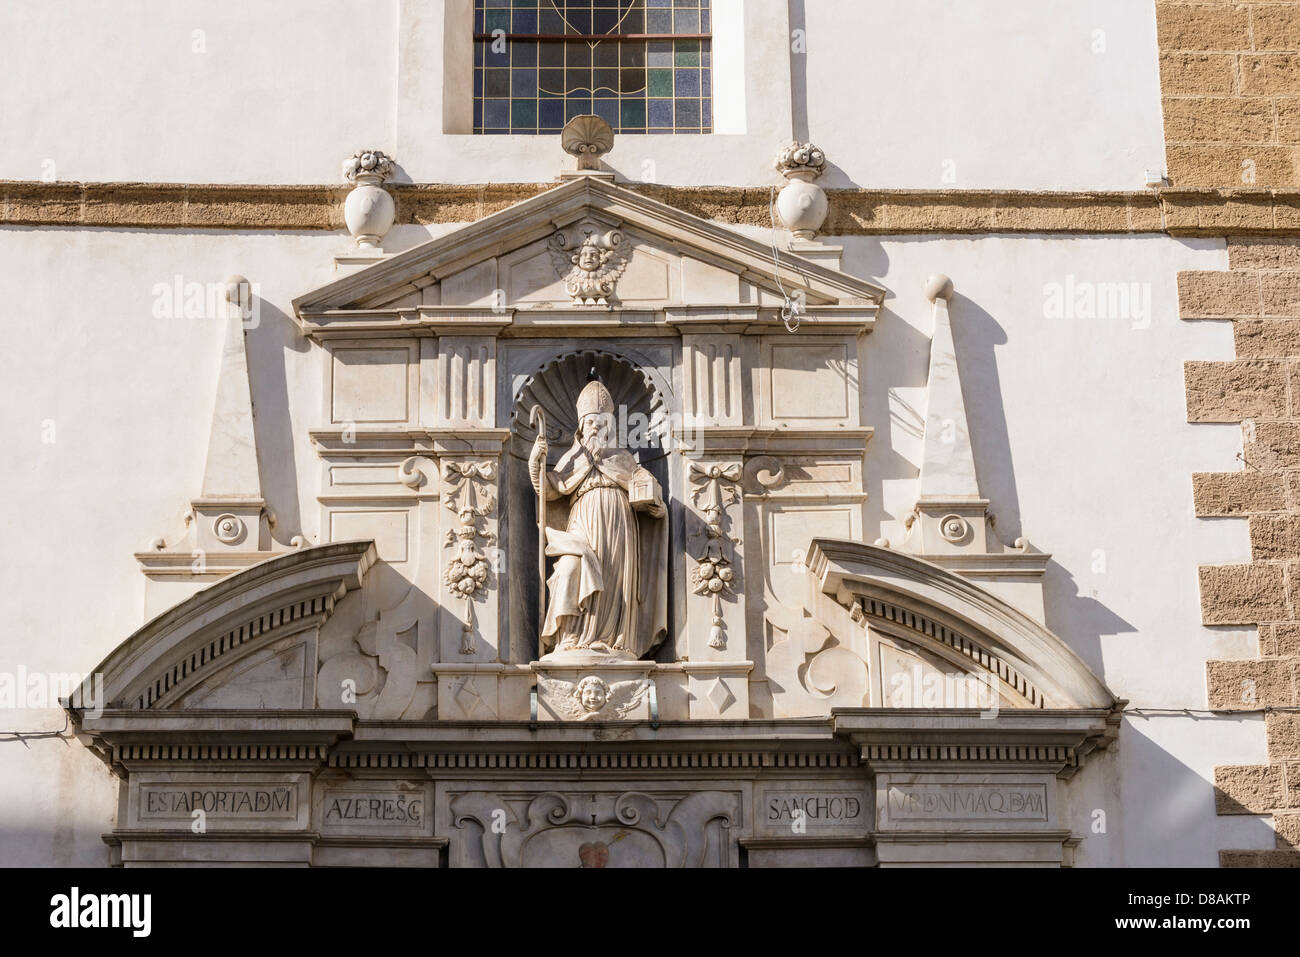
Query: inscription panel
{"x":399,"y":809}
{"x":1016,"y":802}
{"x":815,"y":810}
{"x":215,"y":802}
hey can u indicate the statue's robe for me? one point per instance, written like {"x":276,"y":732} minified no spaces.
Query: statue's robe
{"x":610,"y":581}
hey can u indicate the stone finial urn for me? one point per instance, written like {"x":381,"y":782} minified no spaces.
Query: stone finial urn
{"x":369,"y":210}
{"x":802,"y":203}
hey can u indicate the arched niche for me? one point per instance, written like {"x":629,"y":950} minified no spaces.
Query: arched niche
{"x":647,"y":408}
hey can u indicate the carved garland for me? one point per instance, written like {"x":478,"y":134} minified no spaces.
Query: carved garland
{"x":713,"y":576}
{"x":467,"y":572}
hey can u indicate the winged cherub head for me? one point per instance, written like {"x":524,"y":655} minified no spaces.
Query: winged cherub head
{"x":596,"y":250}
{"x":592,"y":692}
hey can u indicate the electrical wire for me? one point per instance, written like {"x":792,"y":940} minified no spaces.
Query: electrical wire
{"x":790,"y":308}
{"x":31,"y":735}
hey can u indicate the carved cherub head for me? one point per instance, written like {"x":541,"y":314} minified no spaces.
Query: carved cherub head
{"x":592,"y":692}
{"x":590,"y":271}
{"x":590,"y":256}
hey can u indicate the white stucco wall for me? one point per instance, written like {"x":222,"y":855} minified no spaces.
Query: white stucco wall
{"x":980,"y":94}
{"x":930,"y":94}
{"x":1079,"y":431}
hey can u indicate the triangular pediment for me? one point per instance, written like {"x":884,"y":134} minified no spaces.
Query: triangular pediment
{"x":510,"y":259}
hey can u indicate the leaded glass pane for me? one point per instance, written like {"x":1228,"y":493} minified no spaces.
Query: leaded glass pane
{"x":642,"y":65}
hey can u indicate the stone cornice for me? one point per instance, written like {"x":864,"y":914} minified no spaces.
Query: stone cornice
{"x":1056,"y":740}
{"x":1190,"y":212}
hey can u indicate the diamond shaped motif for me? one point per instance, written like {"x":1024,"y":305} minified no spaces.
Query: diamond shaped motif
{"x":720,"y":695}
{"x":467,"y":696}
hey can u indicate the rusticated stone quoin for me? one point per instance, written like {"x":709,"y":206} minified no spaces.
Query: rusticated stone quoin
{"x":1269,"y":859}
{"x":1287,"y":827}
{"x":1248,"y":684}
{"x":1233,"y":391}
{"x":1285,"y":639}
{"x":1266,"y":338}
{"x":1248,"y":789}
{"x":1237,"y":493}
{"x":1280,"y":292}
{"x":1217,"y":294}
{"x":1281,"y":253}
{"x":1274,"y":536}
{"x":1273,"y":445}
{"x":1242,"y":594}
{"x":1283,"y":729}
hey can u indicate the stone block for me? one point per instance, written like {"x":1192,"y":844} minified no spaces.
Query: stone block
{"x":1218,"y":119}
{"x":1247,"y":684}
{"x":1275,"y":26}
{"x":1203,"y":26}
{"x":1274,"y":537}
{"x":1247,"y":789}
{"x":1237,"y":493}
{"x":1273,"y":445}
{"x":1266,"y":338}
{"x":1268,"y":74}
{"x":1218,"y":294}
{"x":1242,"y":594}
{"x":1283,"y":729}
{"x":1191,"y":73}
{"x":1234,"y":391}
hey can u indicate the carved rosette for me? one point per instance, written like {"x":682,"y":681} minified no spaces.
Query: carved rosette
{"x":715,"y":487}
{"x":469,"y":495}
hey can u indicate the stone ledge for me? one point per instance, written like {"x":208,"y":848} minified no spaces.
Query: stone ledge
{"x":1183,"y":212}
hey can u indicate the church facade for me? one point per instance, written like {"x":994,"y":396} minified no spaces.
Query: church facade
{"x":634,"y":458}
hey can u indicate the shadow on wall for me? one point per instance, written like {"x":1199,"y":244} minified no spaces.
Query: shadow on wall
{"x":267,"y":345}
{"x":77,"y":799}
{"x":1079,"y":619}
{"x":1176,"y":819}
{"x":896,"y":357}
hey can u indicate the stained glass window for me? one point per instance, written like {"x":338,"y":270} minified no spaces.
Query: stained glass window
{"x":644,"y":66}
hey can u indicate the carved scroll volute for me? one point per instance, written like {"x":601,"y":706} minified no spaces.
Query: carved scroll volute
{"x":715,"y":490}
{"x":471,"y":556}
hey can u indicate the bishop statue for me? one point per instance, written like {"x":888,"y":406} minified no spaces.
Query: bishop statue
{"x":608,"y":533}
